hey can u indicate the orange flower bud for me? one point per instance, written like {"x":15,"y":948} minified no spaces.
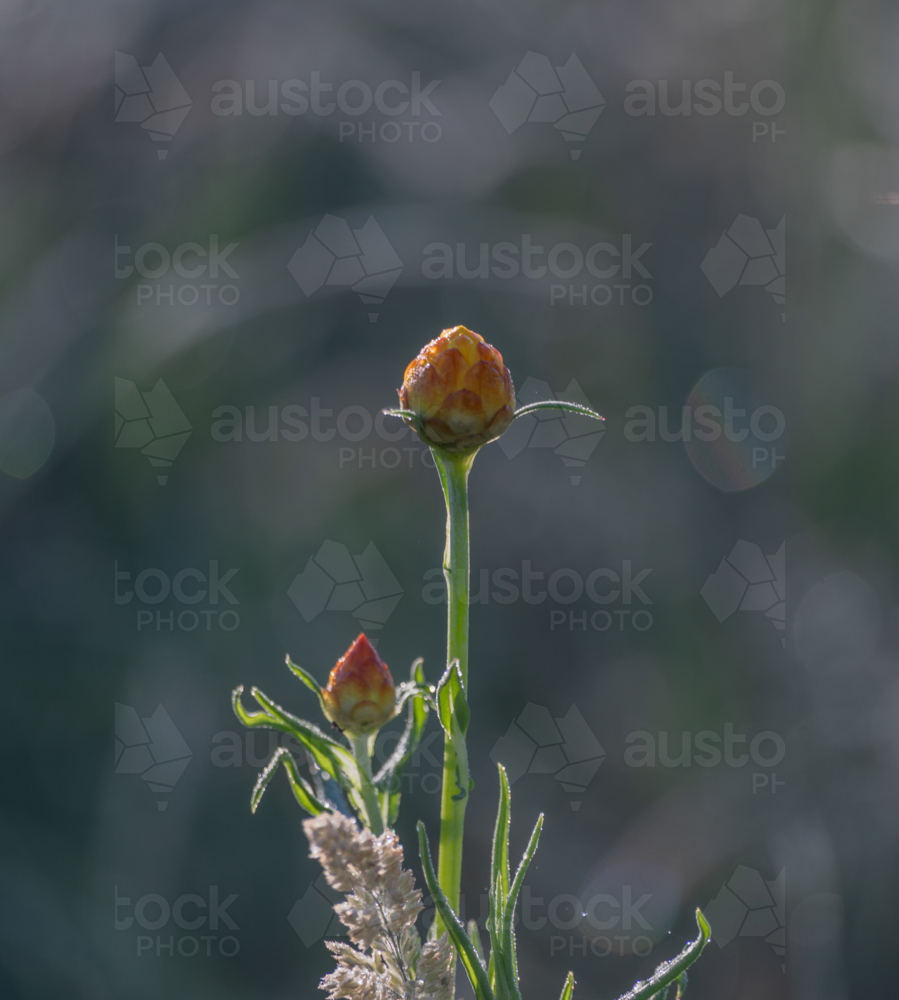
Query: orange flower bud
{"x":360,"y":696}
{"x":460,"y":391}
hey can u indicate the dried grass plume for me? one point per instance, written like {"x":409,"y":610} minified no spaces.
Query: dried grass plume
{"x":386,"y":960}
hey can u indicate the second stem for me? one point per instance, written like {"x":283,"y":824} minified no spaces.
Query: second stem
{"x":453,"y":471}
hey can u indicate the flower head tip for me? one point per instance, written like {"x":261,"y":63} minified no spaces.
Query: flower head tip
{"x":459,"y":390}
{"x":360,"y":696}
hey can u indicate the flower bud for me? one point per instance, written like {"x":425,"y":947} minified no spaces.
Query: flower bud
{"x":360,"y":696}
{"x":459,"y":390}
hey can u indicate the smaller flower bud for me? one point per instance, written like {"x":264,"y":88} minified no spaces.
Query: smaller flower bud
{"x":360,"y":696}
{"x":459,"y":390}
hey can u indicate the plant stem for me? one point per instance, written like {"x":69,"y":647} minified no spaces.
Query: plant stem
{"x":362,"y":747}
{"x":453,"y":471}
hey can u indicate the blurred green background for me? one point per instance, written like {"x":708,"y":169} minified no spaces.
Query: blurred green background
{"x":95,"y":290}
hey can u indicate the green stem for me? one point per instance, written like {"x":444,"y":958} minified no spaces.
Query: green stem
{"x":453,"y":471}
{"x":362,"y":747}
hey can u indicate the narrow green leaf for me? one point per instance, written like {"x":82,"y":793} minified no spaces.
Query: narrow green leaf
{"x":526,"y":859}
{"x":466,"y":951}
{"x":475,"y":935}
{"x":500,"y":857}
{"x":681,"y":986}
{"x":509,"y":947}
{"x":568,"y":988}
{"x":673,"y":969}
{"x":422,"y":707}
{"x":448,"y":688}
{"x":333,"y":758}
{"x":308,"y":680}
{"x":506,"y":981}
{"x":558,"y":404}
{"x":452,"y":711}
{"x":301,"y":788}
{"x":388,"y":780}
{"x":503,"y":970}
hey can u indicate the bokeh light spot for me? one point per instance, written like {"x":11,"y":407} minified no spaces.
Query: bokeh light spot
{"x":734,"y":439}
